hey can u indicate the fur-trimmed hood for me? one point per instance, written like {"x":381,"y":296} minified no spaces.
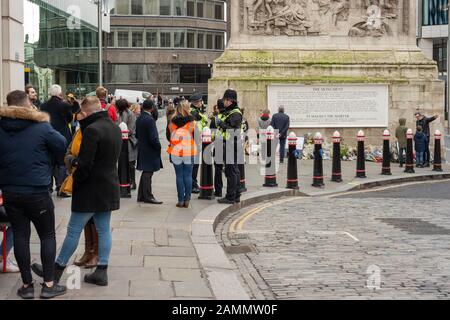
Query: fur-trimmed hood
{"x":14,"y":119}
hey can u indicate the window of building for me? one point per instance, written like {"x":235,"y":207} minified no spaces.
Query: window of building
{"x":122,"y":39}
{"x":190,"y":8}
{"x":200,"y":40}
{"x":180,"y":7}
{"x":136,"y":7}
{"x":200,"y":9}
{"x":151,"y":7}
{"x":179,"y":39}
{"x":434,"y":12}
{"x":110,"y":37}
{"x":218,"y":42}
{"x":137,"y":39}
{"x":187,"y":73}
{"x":191,"y":39}
{"x":87,"y":39}
{"x":152,"y":38}
{"x":440,"y":54}
{"x":122,"y":6}
{"x":164,"y":7}
{"x":209,"y":10}
{"x":77,"y":39}
{"x":218,"y":11}
{"x":203,"y":73}
{"x":209,"y":41}
{"x":165,"y":39}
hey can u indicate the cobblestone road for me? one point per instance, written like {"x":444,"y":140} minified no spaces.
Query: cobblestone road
{"x":390,"y":244}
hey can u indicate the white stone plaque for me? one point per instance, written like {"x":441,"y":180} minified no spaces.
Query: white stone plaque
{"x":331,"y":106}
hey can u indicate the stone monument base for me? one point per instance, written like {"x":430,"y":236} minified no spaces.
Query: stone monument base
{"x":412,"y":81}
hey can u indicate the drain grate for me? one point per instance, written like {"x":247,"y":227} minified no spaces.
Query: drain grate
{"x":415,"y":226}
{"x":240,"y":249}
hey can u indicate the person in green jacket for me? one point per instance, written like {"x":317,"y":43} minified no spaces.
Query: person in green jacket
{"x":400,"y":134}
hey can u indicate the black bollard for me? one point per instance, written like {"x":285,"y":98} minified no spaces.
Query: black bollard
{"x":437,"y":161}
{"x":124,"y":166}
{"x":206,"y":169}
{"x":270,"y":177}
{"x":336,"y":174}
{"x":361,"y":160}
{"x":318,"y":162}
{"x":386,"y":166}
{"x":292,"y":174}
{"x":409,"y":165}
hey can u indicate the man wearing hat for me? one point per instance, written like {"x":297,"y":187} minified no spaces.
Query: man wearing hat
{"x":424,"y":122}
{"x":230,"y":127}
{"x":198,"y":112}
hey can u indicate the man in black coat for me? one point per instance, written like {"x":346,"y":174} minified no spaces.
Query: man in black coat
{"x":27,"y":145}
{"x":60,"y":117}
{"x":281,"y":122}
{"x":149,"y":151}
{"x":96,"y":190}
{"x":424,"y":122}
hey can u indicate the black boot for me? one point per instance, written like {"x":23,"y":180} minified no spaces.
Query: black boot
{"x":53,"y":291}
{"x":38,"y":270}
{"x":98,"y":277}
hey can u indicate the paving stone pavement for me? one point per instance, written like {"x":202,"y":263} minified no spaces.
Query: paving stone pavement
{"x":302,"y":252}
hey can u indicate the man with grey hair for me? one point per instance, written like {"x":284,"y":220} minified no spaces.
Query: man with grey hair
{"x":60,"y":116}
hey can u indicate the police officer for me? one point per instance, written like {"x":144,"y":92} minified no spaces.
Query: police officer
{"x":218,"y":113}
{"x":198,"y":112}
{"x":230,"y":127}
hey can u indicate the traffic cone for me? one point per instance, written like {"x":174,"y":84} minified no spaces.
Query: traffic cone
{"x":292,"y":174}
{"x":361,"y":161}
{"x":336,"y":174}
{"x":318,"y":161}
{"x":386,"y":166}
{"x":206,"y":169}
{"x":409,"y":165}
{"x":124,"y":166}
{"x":270,"y":178}
{"x":437,"y":161}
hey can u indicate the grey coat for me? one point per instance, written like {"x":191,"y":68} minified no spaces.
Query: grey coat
{"x":130,"y":120}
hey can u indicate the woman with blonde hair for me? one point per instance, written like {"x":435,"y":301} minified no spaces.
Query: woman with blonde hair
{"x":182,"y":149}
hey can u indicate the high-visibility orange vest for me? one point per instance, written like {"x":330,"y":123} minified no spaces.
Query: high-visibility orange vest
{"x":182,"y":142}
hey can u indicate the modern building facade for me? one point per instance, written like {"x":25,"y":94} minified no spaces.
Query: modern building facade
{"x":164,"y":46}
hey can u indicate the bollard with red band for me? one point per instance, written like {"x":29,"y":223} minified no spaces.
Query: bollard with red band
{"x":318,"y":162}
{"x":409,"y":165}
{"x":437,"y":161}
{"x":336,"y":174}
{"x":270,"y":177}
{"x":361,"y":160}
{"x":206,"y":169}
{"x":124,"y":165}
{"x":292,"y":174}
{"x":386,"y":166}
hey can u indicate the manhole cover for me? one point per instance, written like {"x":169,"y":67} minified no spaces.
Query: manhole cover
{"x":240,"y":249}
{"x":415,"y":226}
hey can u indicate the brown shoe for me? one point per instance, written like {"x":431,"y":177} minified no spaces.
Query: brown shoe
{"x":186,"y":204}
{"x":88,"y":247}
{"x":92,"y":263}
{"x":180,"y":205}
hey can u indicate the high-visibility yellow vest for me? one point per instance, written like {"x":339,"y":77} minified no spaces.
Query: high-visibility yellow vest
{"x":225,"y":134}
{"x":203,"y":123}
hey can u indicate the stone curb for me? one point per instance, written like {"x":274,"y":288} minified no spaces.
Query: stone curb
{"x":221,"y":274}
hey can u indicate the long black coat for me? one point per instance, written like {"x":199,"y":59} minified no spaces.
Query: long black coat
{"x":60,"y":116}
{"x":96,"y":180}
{"x":149,"y":146}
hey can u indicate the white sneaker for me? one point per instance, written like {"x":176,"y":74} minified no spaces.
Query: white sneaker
{"x":11,"y":265}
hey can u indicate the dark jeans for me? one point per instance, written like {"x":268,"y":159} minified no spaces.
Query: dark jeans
{"x":282,"y":149}
{"x":38,"y":209}
{"x":427,"y":156}
{"x":233,"y":181}
{"x":60,"y":174}
{"x":218,"y":182}
{"x":133,"y":173}
{"x":145,"y":187}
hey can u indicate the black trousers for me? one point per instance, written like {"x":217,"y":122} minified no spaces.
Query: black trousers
{"x":194,"y":175}
{"x":38,"y":209}
{"x":427,"y":155}
{"x":145,"y":187}
{"x":233,"y":181}
{"x":218,"y":182}
{"x":132,"y":166}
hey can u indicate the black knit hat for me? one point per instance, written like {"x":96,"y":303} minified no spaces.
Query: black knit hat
{"x":230,"y":94}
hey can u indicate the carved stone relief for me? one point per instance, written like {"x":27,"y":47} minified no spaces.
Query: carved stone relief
{"x":319,"y":17}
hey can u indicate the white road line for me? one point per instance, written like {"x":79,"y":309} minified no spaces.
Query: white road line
{"x":332,"y":233}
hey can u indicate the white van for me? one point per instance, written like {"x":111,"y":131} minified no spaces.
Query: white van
{"x":132,"y":95}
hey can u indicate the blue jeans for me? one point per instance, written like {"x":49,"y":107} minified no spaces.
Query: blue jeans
{"x":9,"y":240}
{"x":183,"y":170}
{"x":419,"y":157}
{"x":76,"y":224}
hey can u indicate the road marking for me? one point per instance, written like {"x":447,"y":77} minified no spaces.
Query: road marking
{"x":332,"y":233}
{"x":388,"y":187}
{"x":238,"y":224}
